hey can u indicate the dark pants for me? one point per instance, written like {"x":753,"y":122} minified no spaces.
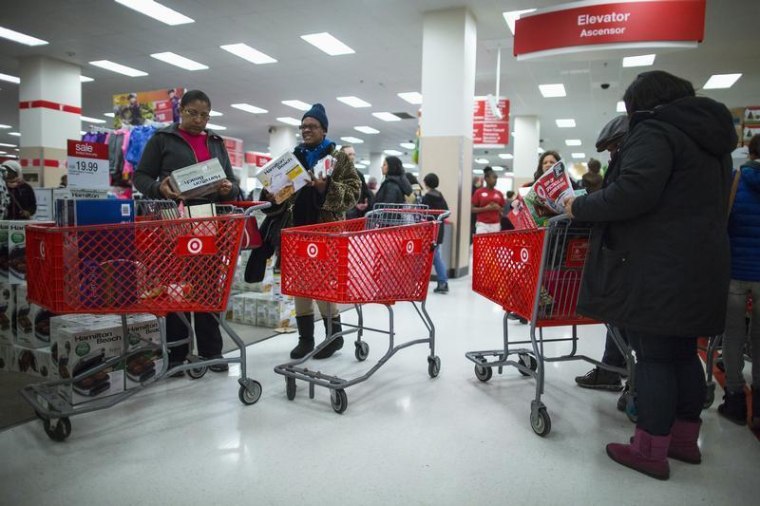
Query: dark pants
{"x":670,"y":382}
{"x":612,"y":354}
{"x":207,"y":335}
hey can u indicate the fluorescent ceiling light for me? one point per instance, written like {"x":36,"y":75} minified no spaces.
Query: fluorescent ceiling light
{"x":393,"y":152}
{"x":297,"y":104}
{"x":352,"y":140}
{"x":214,"y":114}
{"x":408,"y":165}
{"x":412,"y":97}
{"x":118,"y":68}
{"x":552,"y":90}
{"x":482,"y":161}
{"x":579,"y":155}
{"x":541,"y":151}
{"x":15,"y":134}
{"x":477,"y":171}
{"x":620,"y":106}
{"x":498,"y":168}
{"x":157,"y":11}
{"x":644,"y":60}
{"x":215,"y":127}
{"x":109,"y":114}
{"x":289,"y":121}
{"x":179,"y":61}
{"x":327,"y":43}
{"x":364,"y":162}
{"x":506,"y":156}
{"x":354,"y":102}
{"x":360,"y":166}
{"x":511,"y":16}
{"x":21,"y":38}
{"x":249,"y":108}
{"x":386,"y":116}
{"x":565,"y":123}
{"x":91,"y":120}
{"x":408,"y":145}
{"x":572,"y":142}
{"x":10,"y":79}
{"x":85,"y":79}
{"x":367,"y":130}
{"x":8,"y":126}
{"x":721,"y":81}
{"x":3,"y":144}
{"x":248,"y":53}
{"x":3,"y":152}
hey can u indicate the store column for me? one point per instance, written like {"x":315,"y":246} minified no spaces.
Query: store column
{"x":376,"y":167}
{"x":527,"y":139}
{"x":448,"y":90}
{"x":281,"y":139}
{"x":50,"y":107}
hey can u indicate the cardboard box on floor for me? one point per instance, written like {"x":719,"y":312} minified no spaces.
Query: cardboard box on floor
{"x":32,"y":321}
{"x":37,"y":362}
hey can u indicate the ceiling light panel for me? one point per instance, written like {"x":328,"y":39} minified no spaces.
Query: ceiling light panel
{"x":249,"y":108}
{"x":352,"y":140}
{"x":179,"y":61}
{"x":408,"y":145}
{"x":386,"y":116}
{"x":109,"y":114}
{"x":248,"y":53}
{"x":5,"y":145}
{"x":21,"y":38}
{"x":297,"y":104}
{"x":572,"y":142}
{"x":92,"y":120}
{"x":327,"y":43}
{"x":215,"y":114}
{"x":511,"y":16}
{"x":354,"y":102}
{"x":566,"y":123}
{"x":118,"y":68}
{"x":85,"y":79}
{"x":367,"y":130}
{"x":620,"y":106}
{"x":212,"y":126}
{"x":413,"y":97}
{"x":289,"y":121}
{"x":644,"y":60}
{"x":15,"y":134}
{"x":9,"y":78}
{"x":393,"y":152}
{"x":506,"y":156}
{"x":579,"y":156}
{"x":552,"y":90}
{"x":408,"y":165}
{"x":482,"y":161}
{"x":157,"y":11}
{"x":721,"y":81}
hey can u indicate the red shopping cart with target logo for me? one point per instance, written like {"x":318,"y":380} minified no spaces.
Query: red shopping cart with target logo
{"x":384,"y":258}
{"x":154,"y":265}
{"x":535,"y":276}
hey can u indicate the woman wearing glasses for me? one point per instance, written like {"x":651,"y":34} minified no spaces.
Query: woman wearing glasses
{"x":174,"y":147}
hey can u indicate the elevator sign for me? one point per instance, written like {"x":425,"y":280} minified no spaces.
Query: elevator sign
{"x":87,"y":165}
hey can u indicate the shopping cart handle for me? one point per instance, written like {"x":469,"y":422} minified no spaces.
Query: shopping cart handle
{"x":560,"y":218}
{"x":249,"y":205}
{"x":445,"y":214}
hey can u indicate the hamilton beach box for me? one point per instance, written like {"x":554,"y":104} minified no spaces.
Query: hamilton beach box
{"x":197,"y":180}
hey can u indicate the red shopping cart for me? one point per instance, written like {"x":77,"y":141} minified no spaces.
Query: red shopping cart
{"x":535,"y":274}
{"x":156,"y":266}
{"x":383,"y":258}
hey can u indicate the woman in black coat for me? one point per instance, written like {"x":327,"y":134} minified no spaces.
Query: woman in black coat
{"x":395,"y":186}
{"x":659,"y":269}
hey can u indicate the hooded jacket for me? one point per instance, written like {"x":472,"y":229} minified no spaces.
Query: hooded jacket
{"x":660,"y":261}
{"x":744,"y":225}
{"x":393,"y":190}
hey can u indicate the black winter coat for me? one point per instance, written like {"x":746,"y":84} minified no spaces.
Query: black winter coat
{"x":393,"y":190}
{"x":659,"y":262}
{"x":434,"y":200}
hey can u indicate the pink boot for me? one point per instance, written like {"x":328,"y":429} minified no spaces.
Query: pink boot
{"x":683,"y":441}
{"x":647,"y":454}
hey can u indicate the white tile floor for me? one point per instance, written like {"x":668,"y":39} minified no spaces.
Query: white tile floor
{"x":404,"y":439}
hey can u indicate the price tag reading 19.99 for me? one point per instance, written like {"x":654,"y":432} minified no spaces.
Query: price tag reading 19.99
{"x":87,"y":165}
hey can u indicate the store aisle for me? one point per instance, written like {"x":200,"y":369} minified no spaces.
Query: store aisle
{"x":404,"y":439}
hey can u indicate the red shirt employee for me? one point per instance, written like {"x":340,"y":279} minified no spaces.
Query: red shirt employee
{"x":487,"y":204}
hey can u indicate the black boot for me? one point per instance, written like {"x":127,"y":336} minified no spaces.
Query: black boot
{"x":441,"y":288}
{"x":337,"y":343}
{"x":305,"y":326}
{"x":734,"y":407}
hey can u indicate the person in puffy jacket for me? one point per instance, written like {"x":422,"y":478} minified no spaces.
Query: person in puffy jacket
{"x":660,"y":266}
{"x":395,"y":187}
{"x":744,"y":234}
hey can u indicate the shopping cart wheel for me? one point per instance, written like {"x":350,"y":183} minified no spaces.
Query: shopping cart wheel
{"x":540,"y":422}
{"x":362,"y":350}
{"x":528,"y":361}
{"x":290,"y":388}
{"x":434,"y":366}
{"x":483,"y":373}
{"x":59,"y":430}
{"x":250,"y":393}
{"x":197,"y":372}
{"x":339,"y":400}
{"x":709,"y":395}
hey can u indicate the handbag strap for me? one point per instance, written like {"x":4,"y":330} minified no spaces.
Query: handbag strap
{"x":734,"y":188}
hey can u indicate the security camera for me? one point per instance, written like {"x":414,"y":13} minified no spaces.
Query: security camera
{"x":605,"y":86}
{"x":272,"y":129}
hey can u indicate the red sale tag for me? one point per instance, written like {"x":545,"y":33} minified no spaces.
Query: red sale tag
{"x":576,"y":252}
{"x":193,"y":245}
{"x":312,"y":250}
{"x":412,"y":246}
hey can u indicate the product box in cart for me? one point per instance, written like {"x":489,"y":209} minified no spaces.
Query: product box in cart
{"x":7,"y":358}
{"x":32,"y":322}
{"x":37,"y":362}
{"x":7,"y":312}
{"x":80,"y":346}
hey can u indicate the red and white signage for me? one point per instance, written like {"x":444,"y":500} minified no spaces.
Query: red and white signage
{"x":580,"y":26}
{"x":235,"y":150}
{"x":257,"y":159}
{"x":195,"y":245}
{"x":487,"y":128}
{"x":87,"y":165}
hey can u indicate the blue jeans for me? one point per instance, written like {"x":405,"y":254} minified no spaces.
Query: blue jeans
{"x":440,"y":267}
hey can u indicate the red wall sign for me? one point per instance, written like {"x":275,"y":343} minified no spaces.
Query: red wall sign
{"x":235,"y":150}
{"x":256,"y":158}
{"x":558,"y":29}
{"x":488,"y":129}
{"x":82,"y":149}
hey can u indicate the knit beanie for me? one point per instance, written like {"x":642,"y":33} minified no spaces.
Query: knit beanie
{"x":317,"y":112}
{"x":13,"y":166}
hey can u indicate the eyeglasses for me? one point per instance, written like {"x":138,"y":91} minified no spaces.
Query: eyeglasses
{"x":309,"y":127}
{"x":195,"y":114}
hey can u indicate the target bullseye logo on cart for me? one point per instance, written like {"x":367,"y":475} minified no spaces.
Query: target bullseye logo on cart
{"x":524,"y":255}
{"x":192,"y":245}
{"x":312,"y":250}
{"x":412,"y":246}
{"x":42,"y":250}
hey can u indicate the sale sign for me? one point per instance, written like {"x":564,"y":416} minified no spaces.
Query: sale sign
{"x":234,"y":150}
{"x":87,"y":165}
